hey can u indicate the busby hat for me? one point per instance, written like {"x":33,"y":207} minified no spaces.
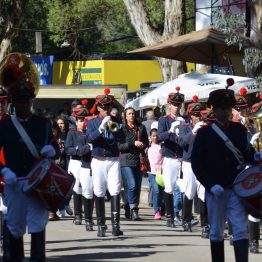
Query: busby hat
{"x":241,"y":101}
{"x":222,"y":98}
{"x":195,"y":107}
{"x":19,"y":76}
{"x":103,"y":101}
{"x":176,"y":98}
{"x":83,"y":111}
{"x":208,"y":115}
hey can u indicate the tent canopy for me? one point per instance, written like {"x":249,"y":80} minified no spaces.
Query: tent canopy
{"x":193,"y":84}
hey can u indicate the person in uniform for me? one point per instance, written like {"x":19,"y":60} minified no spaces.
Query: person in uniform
{"x":79,"y":149}
{"x":105,"y":162}
{"x":216,"y":167}
{"x":191,"y":186}
{"x":23,"y":210}
{"x":171,"y":150}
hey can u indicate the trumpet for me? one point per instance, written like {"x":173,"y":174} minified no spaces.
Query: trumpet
{"x":113,"y":126}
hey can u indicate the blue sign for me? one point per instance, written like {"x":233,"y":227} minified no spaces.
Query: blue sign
{"x":44,"y":66}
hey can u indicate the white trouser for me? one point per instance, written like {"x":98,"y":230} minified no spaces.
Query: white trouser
{"x":106,"y":174}
{"x":86,"y":182}
{"x":74,"y":168}
{"x":24,"y":210}
{"x":3,"y":208}
{"x":218,"y":209}
{"x":171,"y":170}
{"x":191,"y":185}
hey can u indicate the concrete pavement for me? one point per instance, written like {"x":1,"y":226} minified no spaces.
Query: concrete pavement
{"x":145,"y":240}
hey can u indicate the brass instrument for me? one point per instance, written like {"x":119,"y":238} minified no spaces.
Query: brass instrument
{"x":113,"y":126}
{"x":257,"y":120}
{"x":25,"y":64}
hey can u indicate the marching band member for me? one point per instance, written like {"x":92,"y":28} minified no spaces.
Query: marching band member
{"x":216,"y":167}
{"x":23,"y":210}
{"x":171,"y":150}
{"x":77,"y":147}
{"x":191,"y":185}
{"x":105,"y":163}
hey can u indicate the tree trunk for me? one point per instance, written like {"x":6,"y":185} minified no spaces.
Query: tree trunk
{"x":14,"y":21}
{"x":173,"y":26}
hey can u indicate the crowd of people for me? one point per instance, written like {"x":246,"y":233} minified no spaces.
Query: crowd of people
{"x":187,"y":153}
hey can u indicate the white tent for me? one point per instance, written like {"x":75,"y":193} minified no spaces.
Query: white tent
{"x":192,"y":84}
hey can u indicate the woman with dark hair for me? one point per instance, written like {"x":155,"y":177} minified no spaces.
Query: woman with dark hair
{"x":135,"y":140}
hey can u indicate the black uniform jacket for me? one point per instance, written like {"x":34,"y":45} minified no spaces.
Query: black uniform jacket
{"x":212,"y":162}
{"x":17,"y":155}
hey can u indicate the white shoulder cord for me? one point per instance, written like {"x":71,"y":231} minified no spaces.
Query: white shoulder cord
{"x":30,"y":145}
{"x":238,"y":155}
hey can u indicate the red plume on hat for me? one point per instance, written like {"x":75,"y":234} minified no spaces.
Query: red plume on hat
{"x":107,"y":91}
{"x":84,"y":102}
{"x":243,"y":91}
{"x":93,"y":109}
{"x":178,"y":88}
{"x":195,"y":99}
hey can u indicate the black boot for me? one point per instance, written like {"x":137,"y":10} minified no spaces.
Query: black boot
{"x":217,"y":251}
{"x":169,"y":204}
{"x":77,"y":209}
{"x":134,"y":214}
{"x":14,"y":249}
{"x":187,"y":214}
{"x":115,"y":216}
{"x":127,"y":211}
{"x":6,"y":244}
{"x":241,"y":250}
{"x":254,"y":235}
{"x":88,"y":209}
{"x":100,"y":215}
{"x":203,"y":214}
{"x":38,"y":247}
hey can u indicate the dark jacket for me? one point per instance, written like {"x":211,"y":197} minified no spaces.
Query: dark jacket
{"x":211,"y":160}
{"x":130,"y":153}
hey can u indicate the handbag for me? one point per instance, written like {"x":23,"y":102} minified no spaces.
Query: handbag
{"x":144,"y":162}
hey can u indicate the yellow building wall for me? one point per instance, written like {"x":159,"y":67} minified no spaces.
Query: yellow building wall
{"x":131,"y":72}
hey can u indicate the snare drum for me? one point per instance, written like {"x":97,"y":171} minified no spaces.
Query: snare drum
{"x":49,"y":183}
{"x":248,"y":186}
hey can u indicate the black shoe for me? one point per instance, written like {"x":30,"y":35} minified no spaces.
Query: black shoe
{"x":187,"y":227}
{"x":205,"y":232}
{"x":89,"y":226}
{"x":77,"y":220}
{"x":170,"y":223}
{"x":254,"y":247}
{"x":117,"y":232}
{"x":101,"y":231}
{"x":134,"y":215}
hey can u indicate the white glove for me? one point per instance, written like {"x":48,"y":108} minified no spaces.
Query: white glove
{"x":258,"y":156}
{"x":48,"y":151}
{"x":181,"y":119}
{"x":103,"y":125}
{"x":217,"y":190}
{"x":254,"y":138}
{"x":9,"y":176}
{"x":197,"y":126}
{"x":173,"y":127}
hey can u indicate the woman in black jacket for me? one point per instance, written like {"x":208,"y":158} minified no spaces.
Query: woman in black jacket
{"x":135,"y":140}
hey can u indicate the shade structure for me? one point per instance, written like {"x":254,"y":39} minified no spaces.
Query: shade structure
{"x":206,"y":46}
{"x":192,"y":84}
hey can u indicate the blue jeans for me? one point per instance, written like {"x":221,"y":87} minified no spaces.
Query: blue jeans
{"x":177,"y":200}
{"x":133,"y":178}
{"x":157,"y":193}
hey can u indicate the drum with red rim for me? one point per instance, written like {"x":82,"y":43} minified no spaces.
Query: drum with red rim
{"x":49,"y":183}
{"x":248,"y":186}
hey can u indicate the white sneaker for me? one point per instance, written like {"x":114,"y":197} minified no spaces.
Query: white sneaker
{"x":61,"y":213}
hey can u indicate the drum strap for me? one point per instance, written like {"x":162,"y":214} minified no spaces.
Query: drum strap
{"x":238,"y":155}
{"x":30,"y":145}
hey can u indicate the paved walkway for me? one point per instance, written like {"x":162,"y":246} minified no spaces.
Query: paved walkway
{"x":145,"y":240}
